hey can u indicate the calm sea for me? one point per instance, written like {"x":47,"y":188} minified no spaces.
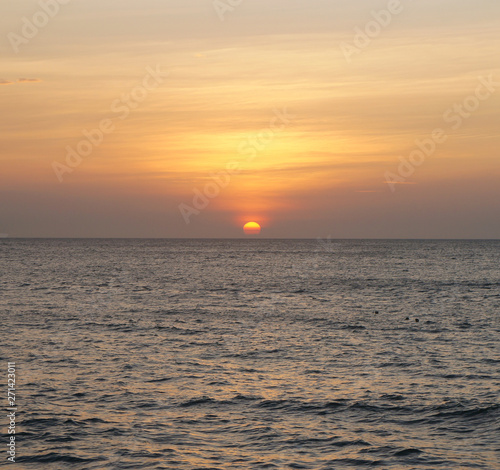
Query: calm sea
{"x":252,"y":354}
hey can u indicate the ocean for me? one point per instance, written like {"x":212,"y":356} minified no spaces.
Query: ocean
{"x":251,"y":354}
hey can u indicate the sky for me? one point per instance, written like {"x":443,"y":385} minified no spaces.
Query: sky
{"x":189,"y":118}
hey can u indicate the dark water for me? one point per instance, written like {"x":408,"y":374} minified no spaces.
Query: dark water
{"x":253,"y":354}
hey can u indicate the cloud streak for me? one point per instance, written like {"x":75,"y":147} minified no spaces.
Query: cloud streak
{"x":4,"y":81}
{"x":28,"y":80}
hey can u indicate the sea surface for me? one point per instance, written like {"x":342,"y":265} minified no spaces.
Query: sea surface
{"x":252,"y":354}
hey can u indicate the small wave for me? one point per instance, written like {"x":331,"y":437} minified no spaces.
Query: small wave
{"x":53,"y":457}
{"x":354,"y":327}
{"x":356,"y":463}
{"x":466,"y":412}
{"x":328,"y":441}
{"x":392,"y":397}
{"x":197,"y":401}
{"x":405,"y":452}
{"x":163,"y":379}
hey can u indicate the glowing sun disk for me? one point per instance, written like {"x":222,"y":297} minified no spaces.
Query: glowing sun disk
{"x":251,"y":228}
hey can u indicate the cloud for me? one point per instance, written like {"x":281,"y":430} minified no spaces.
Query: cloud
{"x":28,"y":80}
{"x":3,"y":81}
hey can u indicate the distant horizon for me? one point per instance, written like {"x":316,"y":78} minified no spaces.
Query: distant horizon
{"x":249,"y":238}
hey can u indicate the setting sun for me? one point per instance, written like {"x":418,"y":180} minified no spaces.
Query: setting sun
{"x":251,"y":228}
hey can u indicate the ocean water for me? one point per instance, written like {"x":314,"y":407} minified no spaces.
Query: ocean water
{"x":252,"y":354}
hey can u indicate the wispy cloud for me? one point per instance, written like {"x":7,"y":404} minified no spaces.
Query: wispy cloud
{"x":4,"y":81}
{"x":28,"y":80}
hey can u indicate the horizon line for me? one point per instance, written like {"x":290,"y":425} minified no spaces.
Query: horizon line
{"x":248,"y":238}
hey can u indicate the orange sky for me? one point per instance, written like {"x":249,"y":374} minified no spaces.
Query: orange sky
{"x":259,"y":117}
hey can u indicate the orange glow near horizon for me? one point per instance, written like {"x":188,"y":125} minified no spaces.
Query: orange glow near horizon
{"x":251,"y":228}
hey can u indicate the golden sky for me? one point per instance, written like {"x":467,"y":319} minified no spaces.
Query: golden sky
{"x":294,"y":113}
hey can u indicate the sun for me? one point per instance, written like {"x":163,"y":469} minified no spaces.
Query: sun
{"x":251,"y":228}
